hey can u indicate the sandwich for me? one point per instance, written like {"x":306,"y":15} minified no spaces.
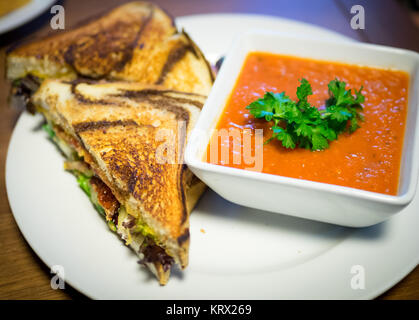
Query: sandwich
{"x":137,"y":41}
{"x":124,"y":142}
{"x":109,"y":90}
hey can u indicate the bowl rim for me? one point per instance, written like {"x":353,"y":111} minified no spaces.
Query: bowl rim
{"x":191,"y":158}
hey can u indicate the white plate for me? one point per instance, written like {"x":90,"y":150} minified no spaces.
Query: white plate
{"x":24,"y":14}
{"x":243,"y":254}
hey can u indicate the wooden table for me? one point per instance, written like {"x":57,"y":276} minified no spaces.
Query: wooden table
{"x":22,"y":274}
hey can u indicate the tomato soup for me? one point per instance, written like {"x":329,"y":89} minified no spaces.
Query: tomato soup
{"x":367,"y":159}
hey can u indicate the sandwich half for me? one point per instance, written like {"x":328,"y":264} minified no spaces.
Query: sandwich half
{"x":137,"y":41}
{"x":124,"y":142}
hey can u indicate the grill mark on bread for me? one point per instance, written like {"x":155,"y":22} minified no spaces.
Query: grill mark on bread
{"x":175,"y":55}
{"x":96,"y":125}
{"x":144,"y":95}
{"x":163,"y":103}
{"x":132,"y":182}
{"x":208,"y":65}
{"x":154,"y":91}
{"x":80,"y":97}
{"x":129,"y":52}
{"x":115,"y":47}
{"x":184,"y":237}
{"x":140,"y":95}
{"x":164,"y":91}
{"x":196,"y":103}
{"x":165,"y":94}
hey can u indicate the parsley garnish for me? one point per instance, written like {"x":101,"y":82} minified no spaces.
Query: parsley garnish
{"x":299,"y":124}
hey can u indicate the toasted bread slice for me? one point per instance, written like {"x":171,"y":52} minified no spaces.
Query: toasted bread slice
{"x":137,"y":41}
{"x":133,"y":137}
{"x":94,"y":49}
{"x":177,"y":64}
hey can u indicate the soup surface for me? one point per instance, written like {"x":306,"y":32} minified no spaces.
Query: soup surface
{"x":367,"y":159}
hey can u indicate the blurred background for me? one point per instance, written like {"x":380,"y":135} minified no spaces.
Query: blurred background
{"x":388,"y":22}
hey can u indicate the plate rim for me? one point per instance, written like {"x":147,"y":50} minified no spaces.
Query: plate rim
{"x":34,"y":9}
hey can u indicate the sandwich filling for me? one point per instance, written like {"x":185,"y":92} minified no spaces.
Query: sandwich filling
{"x":135,"y":232}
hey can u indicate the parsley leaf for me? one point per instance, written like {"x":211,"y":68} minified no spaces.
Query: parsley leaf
{"x":262,"y":108}
{"x":299,"y":124}
{"x":304,"y":90}
{"x":319,"y":142}
{"x":285,"y":137}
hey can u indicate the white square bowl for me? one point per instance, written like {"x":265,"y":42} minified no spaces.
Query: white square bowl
{"x":301,"y":198}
